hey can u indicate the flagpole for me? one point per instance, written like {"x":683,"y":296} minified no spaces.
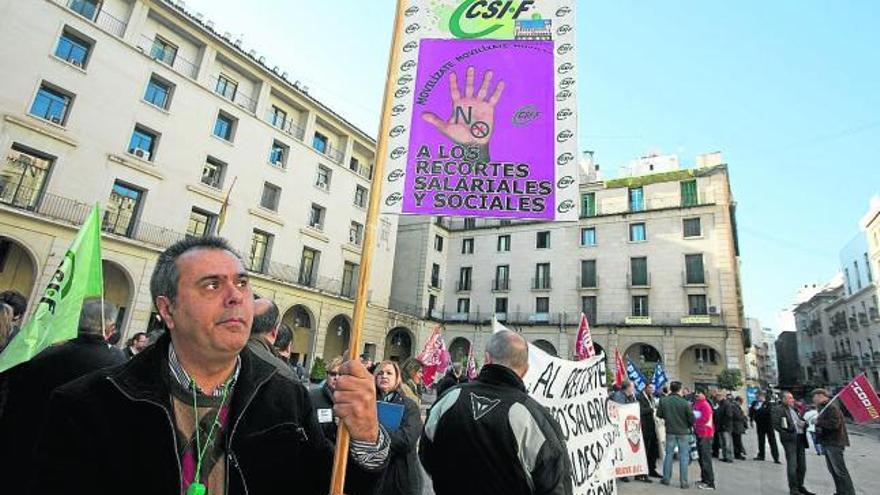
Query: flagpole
{"x":340,"y":457}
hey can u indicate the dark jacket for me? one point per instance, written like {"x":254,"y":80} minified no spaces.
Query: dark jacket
{"x":677,"y":413}
{"x":107,"y":427}
{"x":647,"y":407}
{"x":740,"y":421}
{"x":448,"y":381}
{"x":403,"y":475}
{"x":723,"y":414}
{"x":264,"y":352}
{"x":488,"y":437}
{"x":831,"y":427}
{"x":783,"y":424}
{"x":762,"y":416}
{"x":322,"y":401}
{"x":30,"y":385}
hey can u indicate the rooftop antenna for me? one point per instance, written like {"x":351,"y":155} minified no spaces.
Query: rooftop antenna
{"x":210,"y":25}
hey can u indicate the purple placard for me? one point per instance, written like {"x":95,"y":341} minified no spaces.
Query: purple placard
{"x":489,"y":153}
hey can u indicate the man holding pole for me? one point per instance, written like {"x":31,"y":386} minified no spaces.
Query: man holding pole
{"x":831,"y":433}
{"x":212,"y":417}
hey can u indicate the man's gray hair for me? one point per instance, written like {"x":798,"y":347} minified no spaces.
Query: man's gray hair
{"x":166,"y":274}
{"x":508,"y":349}
{"x":90,"y":320}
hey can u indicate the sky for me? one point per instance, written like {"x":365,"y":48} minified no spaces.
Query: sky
{"x":786,"y":90}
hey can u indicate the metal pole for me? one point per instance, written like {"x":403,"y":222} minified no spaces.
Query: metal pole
{"x":340,"y":458}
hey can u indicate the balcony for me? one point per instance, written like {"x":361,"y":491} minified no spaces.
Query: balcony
{"x":853,"y":323}
{"x":295,"y":276}
{"x":872,"y":313}
{"x":328,"y":150}
{"x":642,"y":281}
{"x":100,"y":17}
{"x":463,"y":285}
{"x":67,"y":210}
{"x":611,"y":206}
{"x":542,"y":284}
{"x":863,"y":319}
{"x":436,"y":283}
{"x":234,"y":94}
{"x":286,"y":125}
{"x":588,"y":283}
{"x":539,"y":318}
{"x":150,"y":48}
{"x":501,"y":285}
{"x":697,"y":279}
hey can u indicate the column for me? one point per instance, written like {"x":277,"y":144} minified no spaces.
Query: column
{"x":136,"y":20}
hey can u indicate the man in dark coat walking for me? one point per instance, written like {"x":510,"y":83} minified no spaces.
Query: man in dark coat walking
{"x":761,"y":415}
{"x":793,"y":436}
{"x":647,"y":407}
{"x":723,"y":415}
{"x":831,"y":433}
{"x":32,"y":383}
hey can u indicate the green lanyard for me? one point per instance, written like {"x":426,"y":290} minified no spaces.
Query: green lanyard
{"x":197,"y":487}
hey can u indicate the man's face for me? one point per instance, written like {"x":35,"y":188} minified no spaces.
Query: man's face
{"x":649,"y":389}
{"x":140,"y":343}
{"x":788,"y":399}
{"x":214,"y":308}
{"x":700,"y":396}
{"x":761,"y":397}
{"x":819,"y":399}
{"x":630,"y":389}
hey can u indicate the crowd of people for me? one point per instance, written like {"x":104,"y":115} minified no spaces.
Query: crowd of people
{"x":215,"y":404}
{"x":703,"y":425}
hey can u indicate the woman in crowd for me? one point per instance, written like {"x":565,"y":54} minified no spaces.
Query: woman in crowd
{"x":412,"y":380}
{"x":402,"y":477}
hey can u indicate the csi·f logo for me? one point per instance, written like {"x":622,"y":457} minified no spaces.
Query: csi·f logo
{"x":59,"y":286}
{"x":393,"y":199}
{"x":485,"y":9}
{"x":566,"y":206}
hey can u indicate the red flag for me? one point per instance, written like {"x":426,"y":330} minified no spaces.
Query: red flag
{"x":583,"y":345}
{"x":471,"y":365}
{"x":620,"y":372}
{"x":861,"y":400}
{"x":434,"y":357}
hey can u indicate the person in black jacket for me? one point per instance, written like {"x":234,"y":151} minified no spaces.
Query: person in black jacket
{"x":488,"y":437}
{"x":761,"y":415}
{"x":452,"y":378}
{"x":31,"y":384}
{"x":792,"y":431}
{"x":136,"y":344}
{"x":403,"y":476}
{"x":322,"y":400}
{"x":200,"y":378}
{"x":647,"y":409}
{"x":723,"y":415}
{"x":740,"y":425}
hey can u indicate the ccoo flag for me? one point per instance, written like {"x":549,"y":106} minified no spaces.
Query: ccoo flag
{"x":861,"y":400}
{"x":583,"y":347}
{"x":56,"y":317}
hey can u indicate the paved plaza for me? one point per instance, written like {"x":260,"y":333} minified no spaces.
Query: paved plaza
{"x":766,"y":478}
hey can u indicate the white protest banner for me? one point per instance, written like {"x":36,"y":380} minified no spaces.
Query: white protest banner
{"x":576,"y":395}
{"x":629,"y":449}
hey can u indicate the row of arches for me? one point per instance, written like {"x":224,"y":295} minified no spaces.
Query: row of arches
{"x":19,"y":271}
{"x":697,"y":364}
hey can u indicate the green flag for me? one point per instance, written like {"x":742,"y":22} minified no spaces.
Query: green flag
{"x":56,"y":317}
